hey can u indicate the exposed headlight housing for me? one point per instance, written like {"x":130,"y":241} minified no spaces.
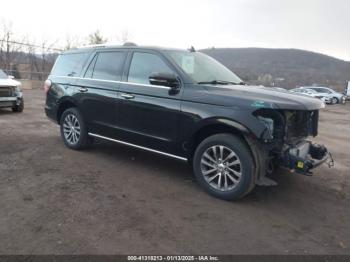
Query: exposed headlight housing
{"x":268,"y":122}
{"x":18,"y":88}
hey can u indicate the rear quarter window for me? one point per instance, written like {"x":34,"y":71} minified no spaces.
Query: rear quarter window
{"x":69,"y":64}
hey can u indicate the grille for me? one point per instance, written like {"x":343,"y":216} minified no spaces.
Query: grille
{"x":6,"y":91}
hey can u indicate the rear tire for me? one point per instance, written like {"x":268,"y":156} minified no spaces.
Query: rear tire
{"x":73,"y":130}
{"x":223,"y":166}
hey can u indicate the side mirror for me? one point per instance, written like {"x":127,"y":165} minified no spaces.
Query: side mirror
{"x":11,"y":77}
{"x":164,"y":79}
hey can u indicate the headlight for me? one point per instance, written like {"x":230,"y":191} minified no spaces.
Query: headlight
{"x":18,"y":88}
{"x":268,"y":122}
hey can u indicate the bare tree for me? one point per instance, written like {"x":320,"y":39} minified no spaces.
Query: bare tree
{"x":46,"y":48}
{"x":31,"y":54}
{"x":97,"y":38}
{"x":5,"y":51}
{"x":10,"y":47}
{"x":72,"y":42}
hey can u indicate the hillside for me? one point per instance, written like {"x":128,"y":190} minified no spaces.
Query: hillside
{"x":283,"y":67}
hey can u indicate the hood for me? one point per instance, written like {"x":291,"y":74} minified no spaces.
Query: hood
{"x":8,"y":82}
{"x":252,"y":96}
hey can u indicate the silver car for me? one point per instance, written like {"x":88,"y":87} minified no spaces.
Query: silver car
{"x":333,"y":96}
{"x":312,"y":93}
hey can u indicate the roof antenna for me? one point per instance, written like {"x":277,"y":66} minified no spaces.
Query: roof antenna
{"x":192,"y":49}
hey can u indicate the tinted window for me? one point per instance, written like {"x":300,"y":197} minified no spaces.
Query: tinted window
{"x":69,"y":64}
{"x":143,"y":65}
{"x":109,"y":66}
{"x":321,"y":90}
{"x":90,"y":69}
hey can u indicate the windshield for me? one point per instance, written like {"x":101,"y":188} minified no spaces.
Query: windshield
{"x":202,"y":68}
{"x":3,"y":75}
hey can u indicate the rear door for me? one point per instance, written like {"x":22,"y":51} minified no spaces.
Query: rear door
{"x":149,"y":115}
{"x":98,"y":91}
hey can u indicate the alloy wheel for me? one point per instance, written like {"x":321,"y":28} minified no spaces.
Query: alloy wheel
{"x":221,"y":167}
{"x":71,"y":129}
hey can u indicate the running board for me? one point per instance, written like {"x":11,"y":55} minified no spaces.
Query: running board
{"x":139,"y":147}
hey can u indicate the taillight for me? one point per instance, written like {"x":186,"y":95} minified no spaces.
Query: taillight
{"x":47,"y":85}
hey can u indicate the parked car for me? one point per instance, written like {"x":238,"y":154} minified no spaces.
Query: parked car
{"x":312,"y":93}
{"x":334,"y":96}
{"x":10,"y":93}
{"x":185,"y":105}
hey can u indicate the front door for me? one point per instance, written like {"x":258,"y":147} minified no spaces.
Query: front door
{"x":148,"y":115}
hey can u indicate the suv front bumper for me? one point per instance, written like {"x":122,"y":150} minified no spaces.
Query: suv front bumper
{"x":10,"y":101}
{"x":305,"y":156}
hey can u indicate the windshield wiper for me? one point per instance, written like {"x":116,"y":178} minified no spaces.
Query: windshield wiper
{"x":220,"y":82}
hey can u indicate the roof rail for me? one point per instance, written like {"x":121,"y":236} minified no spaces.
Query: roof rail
{"x":105,"y":45}
{"x":91,"y":46}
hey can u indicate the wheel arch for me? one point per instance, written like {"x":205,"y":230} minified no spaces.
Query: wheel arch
{"x":216,"y":126}
{"x":63,"y":105}
{"x":237,"y":129}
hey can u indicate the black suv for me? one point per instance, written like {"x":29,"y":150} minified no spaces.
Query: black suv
{"x":186,"y":105}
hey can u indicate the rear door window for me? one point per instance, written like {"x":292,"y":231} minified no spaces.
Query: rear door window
{"x":107,"y":66}
{"x":69,"y":64}
{"x":321,"y":90}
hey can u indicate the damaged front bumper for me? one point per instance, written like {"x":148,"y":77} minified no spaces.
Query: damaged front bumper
{"x":305,"y":156}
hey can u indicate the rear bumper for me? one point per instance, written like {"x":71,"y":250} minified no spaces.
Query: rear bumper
{"x":51,"y":114}
{"x":305,"y":156}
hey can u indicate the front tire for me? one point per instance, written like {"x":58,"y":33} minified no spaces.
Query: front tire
{"x":18,"y":108}
{"x":223,"y":166}
{"x":73,"y":130}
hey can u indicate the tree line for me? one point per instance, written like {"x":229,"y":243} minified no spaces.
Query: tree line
{"x":25,"y":57}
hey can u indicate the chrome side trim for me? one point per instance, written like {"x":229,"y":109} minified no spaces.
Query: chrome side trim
{"x":136,"y":146}
{"x":112,"y":81}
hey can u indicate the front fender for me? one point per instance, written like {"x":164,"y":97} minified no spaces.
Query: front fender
{"x":196,"y":116}
{"x":220,"y":121}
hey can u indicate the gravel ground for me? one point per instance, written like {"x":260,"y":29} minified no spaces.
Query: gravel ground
{"x":112,"y":199}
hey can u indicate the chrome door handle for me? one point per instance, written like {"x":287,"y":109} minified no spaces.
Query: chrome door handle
{"x":127,"y":96}
{"x":83,"y":89}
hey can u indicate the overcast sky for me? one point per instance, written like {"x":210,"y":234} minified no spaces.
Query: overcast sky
{"x":316,"y":25}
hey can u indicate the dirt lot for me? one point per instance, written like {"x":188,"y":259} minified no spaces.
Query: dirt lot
{"x":113,"y":199}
